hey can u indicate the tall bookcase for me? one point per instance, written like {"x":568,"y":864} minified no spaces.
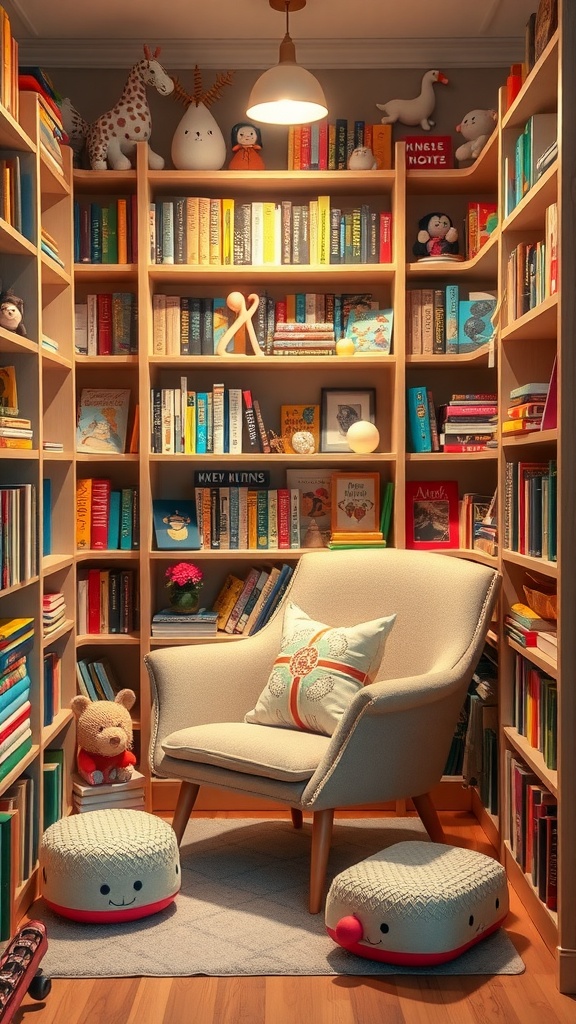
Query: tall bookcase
{"x":523,"y":350}
{"x":45,"y":381}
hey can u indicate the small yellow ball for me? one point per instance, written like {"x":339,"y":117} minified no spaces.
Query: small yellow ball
{"x":345,"y":347}
{"x":362,"y":437}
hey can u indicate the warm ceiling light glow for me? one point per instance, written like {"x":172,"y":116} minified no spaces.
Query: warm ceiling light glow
{"x":287,"y":93}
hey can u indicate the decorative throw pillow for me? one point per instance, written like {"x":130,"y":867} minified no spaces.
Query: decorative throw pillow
{"x":318,"y":671}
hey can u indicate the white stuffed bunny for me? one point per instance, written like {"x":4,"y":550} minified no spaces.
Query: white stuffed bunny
{"x":476,"y":127}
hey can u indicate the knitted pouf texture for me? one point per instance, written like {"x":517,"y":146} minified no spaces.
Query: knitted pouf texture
{"x":417,"y":903}
{"x":109,"y":865}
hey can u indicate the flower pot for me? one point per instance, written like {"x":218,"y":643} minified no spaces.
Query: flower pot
{"x":183,"y":601}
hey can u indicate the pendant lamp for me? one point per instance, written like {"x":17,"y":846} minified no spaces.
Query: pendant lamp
{"x":287,"y":93}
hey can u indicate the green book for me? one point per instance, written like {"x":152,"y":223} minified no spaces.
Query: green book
{"x":56,"y":756}
{"x":5,"y":873}
{"x":52,"y":786}
{"x":14,"y":758}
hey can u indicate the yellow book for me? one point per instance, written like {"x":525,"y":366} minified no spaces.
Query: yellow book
{"x":297,"y":148}
{"x":228,"y":232}
{"x":269,"y":233}
{"x":290,"y":157}
{"x":83,"y":510}
{"x":227,"y":597}
{"x":122,"y":231}
{"x":203,"y":231}
{"x":215,"y":235}
{"x":190,"y":424}
{"x":313,"y":231}
{"x":291,"y":308}
{"x":192,"y":227}
{"x":252,"y":520}
{"x":16,"y":442}
{"x":324,"y":230}
{"x":8,"y":391}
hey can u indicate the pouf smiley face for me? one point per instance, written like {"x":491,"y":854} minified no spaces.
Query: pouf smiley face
{"x":417,"y":904}
{"x":109,"y":865}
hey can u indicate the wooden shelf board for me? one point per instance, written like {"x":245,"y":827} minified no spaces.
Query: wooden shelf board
{"x":105,"y":457}
{"x":52,"y":273}
{"x":100,"y":272}
{"x":111,"y":555}
{"x":274,"y":183}
{"x":49,"y":732}
{"x":539,"y":323}
{"x":341,"y":276}
{"x":66,"y":627}
{"x":485,"y":264}
{"x":530,"y":212}
{"x":107,"y":362}
{"x":473,"y":556}
{"x":541,"y":565}
{"x":10,"y":342}
{"x":12,"y":136}
{"x":488,"y":456}
{"x":257,"y":363}
{"x":57,"y":456}
{"x":157,"y":641}
{"x":530,"y":439}
{"x":28,"y":454}
{"x":95,"y":183}
{"x":533,"y":758}
{"x":18,"y":586}
{"x":481,"y":355}
{"x":239,"y":554}
{"x":105,"y":639}
{"x":536,"y":656}
{"x":13,"y":243}
{"x":53,"y":563}
{"x":318,"y":459}
{"x":54,"y":361}
{"x":539,"y":91}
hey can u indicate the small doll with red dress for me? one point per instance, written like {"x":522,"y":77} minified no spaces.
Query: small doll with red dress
{"x":437,"y":236}
{"x":246,"y":146}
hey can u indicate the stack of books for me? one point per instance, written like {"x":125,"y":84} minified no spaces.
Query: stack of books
{"x":49,"y":245}
{"x":526,"y":408}
{"x":53,"y":612}
{"x":469,"y":423}
{"x":307,"y":339}
{"x":115,"y":794}
{"x":245,"y":605}
{"x":16,"y":642}
{"x":524,"y":625}
{"x":168,"y":623}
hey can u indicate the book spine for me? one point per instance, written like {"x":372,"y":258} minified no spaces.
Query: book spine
{"x":251,"y":427}
{"x":419,"y":420}
{"x":294,"y":517}
{"x":126,"y":519}
{"x":83,"y":513}
{"x":99,"y":514}
{"x":262,"y":433}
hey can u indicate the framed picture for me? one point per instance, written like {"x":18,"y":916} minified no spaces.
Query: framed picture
{"x":432,"y":514}
{"x":175,"y":525}
{"x":355,"y":503}
{"x":340,"y":409}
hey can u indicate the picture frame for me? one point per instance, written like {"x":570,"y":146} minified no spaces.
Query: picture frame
{"x":432,"y":522}
{"x":355,"y":504}
{"x":175,"y":525}
{"x":340,"y":408}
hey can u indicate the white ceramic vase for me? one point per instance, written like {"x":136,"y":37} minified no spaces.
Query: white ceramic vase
{"x":198,"y":143}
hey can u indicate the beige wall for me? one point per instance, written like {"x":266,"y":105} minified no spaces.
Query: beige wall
{"x":350,"y":94}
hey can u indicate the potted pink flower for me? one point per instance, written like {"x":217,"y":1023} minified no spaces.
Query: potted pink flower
{"x":183,"y":582}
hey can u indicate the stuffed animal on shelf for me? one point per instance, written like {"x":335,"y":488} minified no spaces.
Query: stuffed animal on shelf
{"x":104,"y":737}
{"x":198,"y":143}
{"x":111,"y":139}
{"x":417,"y":110}
{"x":11,"y":313}
{"x":362,"y":159}
{"x":476,"y":127}
{"x":437,"y":236}
{"x":246,"y":146}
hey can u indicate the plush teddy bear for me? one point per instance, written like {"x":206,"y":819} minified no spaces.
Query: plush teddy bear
{"x":436,"y":236}
{"x":476,"y":127}
{"x":12,"y":313}
{"x":104,"y":736}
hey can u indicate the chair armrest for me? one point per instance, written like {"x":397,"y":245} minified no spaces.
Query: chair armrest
{"x":393,"y":740}
{"x":195,"y":684}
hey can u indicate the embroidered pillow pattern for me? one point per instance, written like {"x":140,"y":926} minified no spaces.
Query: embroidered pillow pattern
{"x":318,"y":671}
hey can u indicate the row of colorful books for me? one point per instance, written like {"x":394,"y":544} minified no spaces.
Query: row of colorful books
{"x":245,"y":604}
{"x":16,"y":643}
{"x":106,"y":324}
{"x":202,"y":231}
{"x":327,"y":146}
{"x":467,"y":423}
{"x":106,"y":232}
{"x":53,"y":613}
{"x":107,"y":519}
{"x":440,"y":322}
{"x":530,"y":508}
{"x":533,"y":827}
{"x":530,"y":409}
{"x":535,"y":707}
{"x":523,"y":169}
{"x":532,"y":269}
{"x":96,"y":679}
{"x":195,"y":325}
{"x":107,"y":601}
{"x":19,"y":534}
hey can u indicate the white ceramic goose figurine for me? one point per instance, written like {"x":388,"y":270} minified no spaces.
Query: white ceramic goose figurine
{"x":417,"y":110}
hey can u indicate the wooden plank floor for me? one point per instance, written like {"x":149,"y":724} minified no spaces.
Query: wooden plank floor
{"x":529,"y":998}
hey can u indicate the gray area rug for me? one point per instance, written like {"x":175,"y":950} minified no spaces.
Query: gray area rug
{"x":242,"y":911}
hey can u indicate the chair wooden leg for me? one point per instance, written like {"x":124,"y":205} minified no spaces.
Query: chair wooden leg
{"x":322,"y":823}
{"x":297,"y":817}
{"x":429,"y":817}
{"x":186,"y":799}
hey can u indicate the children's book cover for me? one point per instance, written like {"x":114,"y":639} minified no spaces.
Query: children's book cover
{"x":315,"y":487}
{"x":371,"y":330}
{"x":304,"y":421}
{"x":175,"y":525}
{"x":432,"y":514}
{"x":102,"y":420}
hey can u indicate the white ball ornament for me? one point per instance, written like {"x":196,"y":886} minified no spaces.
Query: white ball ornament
{"x":362,"y":437}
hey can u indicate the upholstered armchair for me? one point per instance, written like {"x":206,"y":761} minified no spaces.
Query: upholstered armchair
{"x":393,"y":738}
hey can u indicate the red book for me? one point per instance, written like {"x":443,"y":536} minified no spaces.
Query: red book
{"x":104,"y":336}
{"x":305,"y":139}
{"x":93,"y":600}
{"x":323,"y":146}
{"x":99,"y":514}
{"x":471,"y":410}
{"x":385,"y":240}
{"x":14,"y":721}
{"x":283,"y":517}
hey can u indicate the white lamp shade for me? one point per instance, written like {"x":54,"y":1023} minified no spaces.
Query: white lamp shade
{"x":287,"y":94}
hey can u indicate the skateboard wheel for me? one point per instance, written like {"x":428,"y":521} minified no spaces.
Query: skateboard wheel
{"x":40,"y":986}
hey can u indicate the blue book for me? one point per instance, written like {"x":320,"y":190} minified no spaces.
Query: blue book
{"x":85,"y":682}
{"x":300,"y":307}
{"x":419,"y":420}
{"x":8,"y":657}
{"x":234,"y":516}
{"x":201,"y":423}
{"x":126,"y":501}
{"x":273,"y":598}
{"x":28,"y":212}
{"x":46,"y":516}
{"x":114,"y":520}
{"x":451,"y":321}
{"x":175,"y":525}
{"x":13,"y":698}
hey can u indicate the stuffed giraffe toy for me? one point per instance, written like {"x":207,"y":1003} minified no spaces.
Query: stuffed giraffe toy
{"x":111,"y":139}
